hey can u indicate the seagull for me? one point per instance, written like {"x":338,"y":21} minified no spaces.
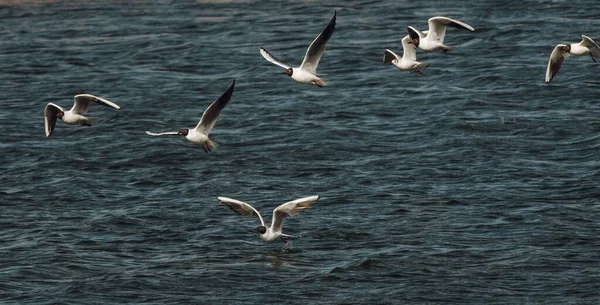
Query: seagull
{"x":307,"y":72}
{"x":585,"y":47}
{"x":199,"y":134}
{"x":408,"y":61}
{"x":432,"y":40}
{"x":273,"y":233}
{"x":74,"y":116}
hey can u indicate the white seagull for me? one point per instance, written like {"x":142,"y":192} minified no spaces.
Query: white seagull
{"x":408,"y":61}
{"x":273,"y":233}
{"x":432,"y":40}
{"x":307,"y":72}
{"x":585,"y":47}
{"x":74,"y":116}
{"x":199,"y":135}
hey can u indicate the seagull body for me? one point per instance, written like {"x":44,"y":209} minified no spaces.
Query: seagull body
{"x":408,"y":61}
{"x":274,"y":232}
{"x":199,"y":134}
{"x":73,"y":116}
{"x":584,"y":48}
{"x":307,"y":72}
{"x":432,"y":40}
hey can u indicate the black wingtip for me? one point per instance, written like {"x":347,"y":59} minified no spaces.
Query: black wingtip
{"x":412,"y":33}
{"x":265,"y":50}
{"x":388,"y":57}
{"x":230,"y":87}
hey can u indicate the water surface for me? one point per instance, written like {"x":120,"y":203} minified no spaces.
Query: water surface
{"x":426,"y":197}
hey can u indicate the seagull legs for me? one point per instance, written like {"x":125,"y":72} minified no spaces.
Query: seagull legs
{"x":206,"y":147}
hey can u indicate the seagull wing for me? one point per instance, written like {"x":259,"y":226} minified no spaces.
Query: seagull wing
{"x":317,"y":47}
{"x":162,"y":133}
{"x":241,"y":208}
{"x":588,"y":42}
{"x":388,"y":56}
{"x":291,"y":208}
{"x":50,"y":117}
{"x":210,"y":115}
{"x":437,"y":27}
{"x":558,"y":56}
{"x":410,"y":50}
{"x":272,"y":58}
{"x":150,"y":133}
{"x":414,"y":34}
{"x":82,"y":102}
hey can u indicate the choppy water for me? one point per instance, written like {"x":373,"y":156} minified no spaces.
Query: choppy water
{"x":426,"y":197}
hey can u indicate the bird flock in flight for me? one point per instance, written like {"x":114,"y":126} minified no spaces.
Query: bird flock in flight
{"x":431,"y":40}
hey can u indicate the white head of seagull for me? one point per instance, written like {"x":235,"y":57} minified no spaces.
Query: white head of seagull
{"x":274,"y":232}
{"x":408,"y":61}
{"x":307,"y":72}
{"x":432,"y":40}
{"x":199,"y":134}
{"x":585,"y":47}
{"x":73,"y":116}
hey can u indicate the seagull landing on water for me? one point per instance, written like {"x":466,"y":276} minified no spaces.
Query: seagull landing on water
{"x":274,"y":232}
{"x":74,"y":116}
{"x":584,"y":48}
{"x":307,"y":72}
{"x":432,"y":40}
{"x":408,"y":61}
{"x":199,"y":134}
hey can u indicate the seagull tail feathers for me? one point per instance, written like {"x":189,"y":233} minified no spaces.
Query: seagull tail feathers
{"x":89,"y":122}
{"x":447,"y":49}
{"x":321,"y":83}
{"x":212,"y":145}
{"x":421,"y":66}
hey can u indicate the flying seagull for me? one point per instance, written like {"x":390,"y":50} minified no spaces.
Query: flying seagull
{"x":585,"y":47}
{"x":73,"y":116}
{"x":432,"y":40}
{"x":307,"y":72}
{"x":408,"y":61}
{"x":274,"y":232}
{"x":199,"y":134}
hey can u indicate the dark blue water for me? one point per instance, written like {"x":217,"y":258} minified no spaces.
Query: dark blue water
{"x":426,"y":197}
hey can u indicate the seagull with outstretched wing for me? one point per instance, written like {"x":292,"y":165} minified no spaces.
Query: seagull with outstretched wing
{"x":75,"y":115}
{"x":408,"y":61}
{"x":307,"y":72}
{"x":584,"y":48}
{"x":432,"y":40}
{"x":199,"y":134}
{"x":274,"y":232}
